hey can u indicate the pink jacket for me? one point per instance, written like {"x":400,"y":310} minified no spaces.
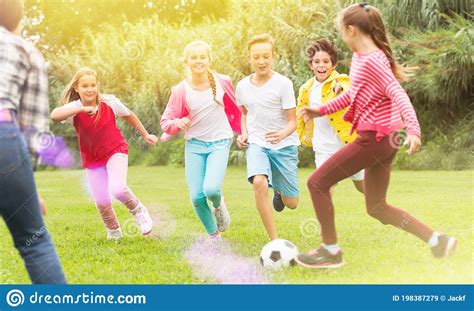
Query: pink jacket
{"x":176,"y":108}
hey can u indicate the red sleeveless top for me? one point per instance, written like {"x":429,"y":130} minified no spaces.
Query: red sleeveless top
{"x":100,"y":140}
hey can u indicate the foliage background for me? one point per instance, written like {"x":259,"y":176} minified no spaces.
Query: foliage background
{"x":136,"y":47}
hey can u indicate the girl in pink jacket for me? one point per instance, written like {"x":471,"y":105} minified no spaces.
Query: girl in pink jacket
{"x":203,"y":106}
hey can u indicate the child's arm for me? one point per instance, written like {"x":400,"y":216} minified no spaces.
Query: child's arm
{"x":399,"y":97}
{"x":170,"y":123}
{"x":62,"y":113}
{"x":300,"y":121}
{"x":134,"y":122}
{"x":397,"y":94}
{"x":243,"y":138}
{"x":276,"y":136}
{"x":336,"y":104}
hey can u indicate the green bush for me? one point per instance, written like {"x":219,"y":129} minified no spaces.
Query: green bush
{"x":142,"y":61}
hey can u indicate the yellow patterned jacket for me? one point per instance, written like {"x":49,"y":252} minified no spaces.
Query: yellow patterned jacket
{"x":341,"y":127}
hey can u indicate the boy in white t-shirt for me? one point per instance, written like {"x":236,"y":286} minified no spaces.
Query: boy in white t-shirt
{"x":268,"y":132}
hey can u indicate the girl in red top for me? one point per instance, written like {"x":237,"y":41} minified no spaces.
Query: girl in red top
{"x":104,"y":151}
{"x":378,"y":109}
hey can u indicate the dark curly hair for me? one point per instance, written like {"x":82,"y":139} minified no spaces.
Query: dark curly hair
{"x":322,"y":45}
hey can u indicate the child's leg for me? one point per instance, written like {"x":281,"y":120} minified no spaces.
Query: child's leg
{"x":284,"y":165}
{"x":376,"y":184}
{"x":344,"y":163}
{"x":215,"y":168}
{"x":195,"y":168}
{"x":260,"y":188}
{"x":98,"y":182}
{"x":359,"y":185}
{"x":19,"y":207}
{"x":358,"y":180}
{"x":117,"y":168}
{"x":259,"y":174}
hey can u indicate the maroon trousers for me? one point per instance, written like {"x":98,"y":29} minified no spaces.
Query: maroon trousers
{"x":376,"y":158}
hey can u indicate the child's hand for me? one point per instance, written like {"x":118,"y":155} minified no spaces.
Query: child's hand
{"x":337,"y":87}
{"x":308,"y":113}
{"x":90,"y":110}
{"x":150,"y":139}
{"x":42,"y":205}
{"x":274,"y":137}
{"x":184,"y":123}
{"x":413,"y":142}
{"x":242,"y":141}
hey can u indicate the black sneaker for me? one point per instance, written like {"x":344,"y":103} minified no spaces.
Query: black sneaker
{"x":278,"y":204}
{"x":446,"y":246}
{"x":320,"y":258}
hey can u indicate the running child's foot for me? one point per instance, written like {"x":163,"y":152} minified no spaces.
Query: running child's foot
{"x":320,"y":258}
{"x":445,"y":247}
{"x":143,"y":219}
{"x":114,"y":234}
{"x":278,"y":204}
{"x":222,"y":216}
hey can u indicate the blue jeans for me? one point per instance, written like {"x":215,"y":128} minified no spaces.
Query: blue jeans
{"x":19,"y":207}
{"x":205,"y":166}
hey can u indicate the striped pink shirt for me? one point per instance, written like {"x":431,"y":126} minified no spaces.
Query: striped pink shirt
{"x":376,"y":100}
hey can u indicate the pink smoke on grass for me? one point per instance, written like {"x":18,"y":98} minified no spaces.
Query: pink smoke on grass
{"x":56,"y":153}
{"x":164,"y":223}
{"x":214,"y":261}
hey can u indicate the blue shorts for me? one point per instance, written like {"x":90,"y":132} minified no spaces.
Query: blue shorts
{"x":280,"y":167}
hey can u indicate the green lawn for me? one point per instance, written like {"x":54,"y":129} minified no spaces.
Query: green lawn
{"x":374,"y":253}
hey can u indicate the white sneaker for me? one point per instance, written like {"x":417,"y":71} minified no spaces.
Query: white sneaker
{"x":114,"y":234}
{"x":143,"y":219}
{"x":222,"y":216}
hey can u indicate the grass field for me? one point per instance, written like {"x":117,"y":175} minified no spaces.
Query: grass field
{"x":374,"y":253}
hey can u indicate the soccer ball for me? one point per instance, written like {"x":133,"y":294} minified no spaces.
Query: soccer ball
{"x":278,"y":254}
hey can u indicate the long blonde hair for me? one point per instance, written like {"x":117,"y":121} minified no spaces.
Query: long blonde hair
{"x":368,"y":19}
{"x":70,"y":93}
{"x":210,"y":75}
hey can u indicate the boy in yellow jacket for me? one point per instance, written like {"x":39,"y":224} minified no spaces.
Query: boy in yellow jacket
{"x":330,"y":133}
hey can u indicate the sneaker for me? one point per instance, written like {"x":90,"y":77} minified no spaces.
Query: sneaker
{"x":278,"y":204}
{"x":222,"y":216}
{"x":320,"y":258}
{"x":143,"y":219}
{"x":114,"y":234}
{"x":446,"y":246}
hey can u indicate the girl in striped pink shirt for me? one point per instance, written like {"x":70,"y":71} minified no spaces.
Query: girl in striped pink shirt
{"x":378,"y":108}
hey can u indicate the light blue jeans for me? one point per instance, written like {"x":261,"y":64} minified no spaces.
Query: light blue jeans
{"x":205,"y":166}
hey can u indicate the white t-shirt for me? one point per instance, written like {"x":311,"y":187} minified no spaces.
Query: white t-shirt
{"x":119,"y":109}
{"x":325,"y":139}
{"x":208,"y":119}
{"x":266,"y":107}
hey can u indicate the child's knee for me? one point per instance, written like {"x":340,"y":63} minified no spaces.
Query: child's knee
{"x":290,"y":202}
{"x":121,"y":193}
{"x":260,"y":183}
{"x":212,"y":192}
{"x":377,"y":211}
{"x":198,"y":200}
{"x":316,"y":183}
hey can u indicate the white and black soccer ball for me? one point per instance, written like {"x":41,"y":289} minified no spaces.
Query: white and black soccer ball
{"x":278,"y":254}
